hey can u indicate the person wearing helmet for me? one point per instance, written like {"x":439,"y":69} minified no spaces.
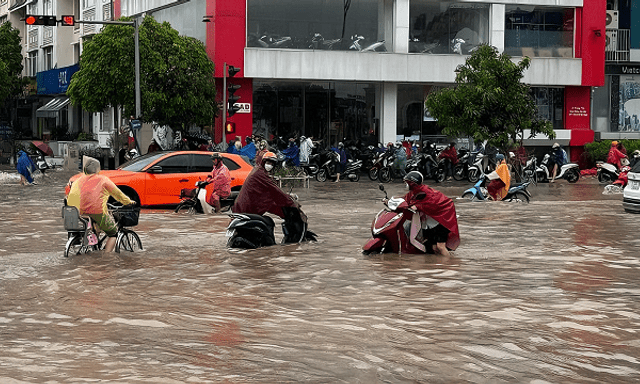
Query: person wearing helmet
{"x":500,"y":179}
{"x":437,"y":214}
{"x":559,"y":158}
{"x":615,"y":156}
{"x":400,"y":161}
{"x":90,"y":193}
{"x":220,"y":182}
{"x":260,"y":193}
{"x":450,"y":157}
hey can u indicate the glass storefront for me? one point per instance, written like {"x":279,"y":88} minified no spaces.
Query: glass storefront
{"x":550,"y":103}
{"x":537,"y":31}
{"x":628,"y":104}
{"x":316,"y":24}
{"x":329,"y":111}
{"x":445,"y":27}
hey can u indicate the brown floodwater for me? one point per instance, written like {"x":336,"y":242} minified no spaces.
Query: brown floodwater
{"x":546,"y":292}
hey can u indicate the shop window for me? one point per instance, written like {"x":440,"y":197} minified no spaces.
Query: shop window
{"x":48,"y":58}
{"x":445,"y":27}
{"x":629,"y":103}
{"x":32,"y":64}
{"x":315,"y":24}
{"x":538,"y":31}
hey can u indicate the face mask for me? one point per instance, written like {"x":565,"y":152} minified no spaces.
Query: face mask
{"x":268,"y":167}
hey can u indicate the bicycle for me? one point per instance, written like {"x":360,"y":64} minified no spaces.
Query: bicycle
{"x":83,"y":236}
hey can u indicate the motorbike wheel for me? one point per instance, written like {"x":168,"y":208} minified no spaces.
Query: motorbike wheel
{"x":468,"y":196}
{"x":458,"y":173}
{"x":356,"y":178}
{"x":519,"y":197}
{"x":527,"y":176}
{"x":440,"y":176}
{"x":474,"y":175}
{"x":573,"y":176}
{"x":373,"y":174}
{"x":321,"y":175}
{"x":603,"y":177}
{"x":385,"y":175}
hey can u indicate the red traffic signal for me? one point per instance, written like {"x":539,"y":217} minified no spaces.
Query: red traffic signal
{"x":231,"y":127}
{"x":40,"y":20}
{"x":68,"y":20}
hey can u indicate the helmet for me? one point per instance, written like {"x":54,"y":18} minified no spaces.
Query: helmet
{"x":340,"y":145}
{"x":512,"y":155}
{"x":398,"y":144}
{"x":499,"y":157}
{"x":269,"y":156}
{"x":216,"y":155}
{"x":302,"y":138}
{"x":414,"y":177}
{"x":614,"y":143}
{"x":555,"y":145}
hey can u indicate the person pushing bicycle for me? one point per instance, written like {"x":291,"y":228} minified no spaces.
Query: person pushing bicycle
{"x":90,"y":194}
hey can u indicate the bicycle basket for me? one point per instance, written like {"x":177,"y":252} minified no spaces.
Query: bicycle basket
{"x":127,"y":217}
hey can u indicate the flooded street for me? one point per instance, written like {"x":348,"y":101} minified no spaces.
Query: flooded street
{"x":546,"y":292}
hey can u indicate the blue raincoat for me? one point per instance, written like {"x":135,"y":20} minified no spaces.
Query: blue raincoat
{"x":25,"y":166}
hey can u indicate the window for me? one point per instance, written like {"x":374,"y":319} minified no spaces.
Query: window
{"x":446,"y":27}
{"x":32,"y":64}
{"x":538,"y":31}
{"x":46,"y":7}
{"x":3,"y":19}
{"x":550,"y":103}
{"x":48,"y":58}
{"x":315,"y":24}
{"x":174,"y":164}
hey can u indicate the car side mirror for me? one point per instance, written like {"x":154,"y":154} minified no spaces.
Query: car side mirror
{"x":155,"y":169}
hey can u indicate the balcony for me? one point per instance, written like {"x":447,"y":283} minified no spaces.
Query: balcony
{"x":617,"y":45}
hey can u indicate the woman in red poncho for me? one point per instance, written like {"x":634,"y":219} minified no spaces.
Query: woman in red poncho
{"x":439,"y":211}
{"x":615,"y":156}
{"x":220,"y":186}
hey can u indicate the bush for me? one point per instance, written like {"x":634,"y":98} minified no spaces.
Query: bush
{"x":598,"y":150}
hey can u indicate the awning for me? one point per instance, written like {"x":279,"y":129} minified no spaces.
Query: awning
{"x":19,"y":4}
{"x":52,"y":108}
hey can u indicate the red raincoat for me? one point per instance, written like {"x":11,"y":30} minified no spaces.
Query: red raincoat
{"x":438,"y":206}
{"x":260,"y":194}
{"x":221,"y":185}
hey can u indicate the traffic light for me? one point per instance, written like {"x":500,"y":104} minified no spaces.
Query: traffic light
{"x":231,"y":127}
{"x":68,"y":20}
{"x":232,"y":88}
{"x":40,"y":20}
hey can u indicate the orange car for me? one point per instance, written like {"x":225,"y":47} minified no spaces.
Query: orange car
{"x":158,"y":177}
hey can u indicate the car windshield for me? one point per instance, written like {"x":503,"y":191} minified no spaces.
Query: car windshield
{"x":137,"y":164}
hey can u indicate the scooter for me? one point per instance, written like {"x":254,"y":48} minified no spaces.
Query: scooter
{"x":312,"y":167}
{"x":41,"y":164}
{"x":428,"y":165}
{"x":569,"y":171}
{"x":370,"y":48}
{"x":329,"y":169}
{"x":607,"y":172}
{"x":517,"y":192}
{"x":251,"y":231}
{"x":380,"y":161}
{"x":392,"y":230}
{"x":195,"y":200}
{"x":478,"y":169}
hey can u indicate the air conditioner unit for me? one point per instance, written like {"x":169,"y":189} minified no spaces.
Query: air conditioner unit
{"x":612,"y":19}
{"x":612,"y":40}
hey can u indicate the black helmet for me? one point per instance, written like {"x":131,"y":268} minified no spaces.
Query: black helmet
{"x":414,"y":177}
{"x":216,"y":155}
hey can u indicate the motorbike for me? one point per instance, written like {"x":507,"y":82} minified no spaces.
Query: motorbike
{"x":41,"y":164}
{"x":607,"y":172}
{"x":319,"y":42}
{"x":379,"y":161}
{"x":517,"y":192}
{"x":529,"y":173}
{"x":195,"y":200}
{"x":388,"y":172}
{"x":312,"y":167}
{"x":251,"y":231}
{"x":479,"y":168}
{"x":392,"y":230}
{"x":569,"y":171}
{"x":428,"y":165}
{"x":330,"y":167}
{"x":461,"y":170}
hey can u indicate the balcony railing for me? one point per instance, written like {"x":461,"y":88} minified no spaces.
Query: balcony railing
{"x":617,"y":45}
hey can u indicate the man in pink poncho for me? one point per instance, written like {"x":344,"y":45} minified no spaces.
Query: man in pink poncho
{"x":220,"y":179}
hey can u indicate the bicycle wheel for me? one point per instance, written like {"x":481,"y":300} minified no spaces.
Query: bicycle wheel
{"x":128,"y":241}
{"x":74,"y":245}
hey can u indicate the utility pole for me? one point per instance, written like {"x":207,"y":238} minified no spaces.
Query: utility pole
{"x":224,"y":102}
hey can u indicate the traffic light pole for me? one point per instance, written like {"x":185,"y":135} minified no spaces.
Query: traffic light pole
{"x":224,"y":102}
{"x":136,"y":25}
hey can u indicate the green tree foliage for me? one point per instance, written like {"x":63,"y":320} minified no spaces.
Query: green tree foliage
{"x":10,"y":61}
{"x":489,"y":101}
{"x":598,"y":150}
{"x":176,"y":75}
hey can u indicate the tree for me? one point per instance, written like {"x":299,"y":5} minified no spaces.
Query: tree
{"x":489,"y":101}
{"x":176,"y":76}
{"x":10,"y":62}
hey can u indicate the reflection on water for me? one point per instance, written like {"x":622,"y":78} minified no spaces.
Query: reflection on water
{"x":538,"y":293}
